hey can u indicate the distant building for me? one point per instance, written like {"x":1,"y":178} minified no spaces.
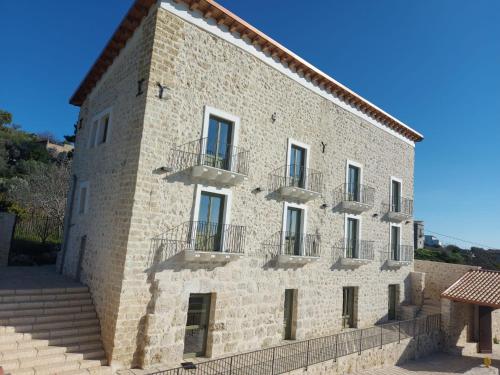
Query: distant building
{"x":432,"y":241}
{"x":418,"y":234}
{"x":56,"y":148}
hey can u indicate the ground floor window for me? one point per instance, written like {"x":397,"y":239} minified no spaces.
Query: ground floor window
{"x":349,"y":307}
{"x":289,"y":318}
{"x":195,"y":339}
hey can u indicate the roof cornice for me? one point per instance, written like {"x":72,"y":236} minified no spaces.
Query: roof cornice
{"x":210,"y":9}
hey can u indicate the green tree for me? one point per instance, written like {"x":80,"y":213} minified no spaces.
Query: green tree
{"x":5,"y":117}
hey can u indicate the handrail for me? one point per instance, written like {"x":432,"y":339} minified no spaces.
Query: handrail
{"x":357,"y":249}
{"x":296,"y":176}
{"x":359,"y":193}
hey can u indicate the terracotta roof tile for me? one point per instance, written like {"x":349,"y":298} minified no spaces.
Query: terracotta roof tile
{"x":480,"y":287}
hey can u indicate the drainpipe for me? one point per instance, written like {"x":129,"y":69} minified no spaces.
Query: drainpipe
{"x":67,"y":223}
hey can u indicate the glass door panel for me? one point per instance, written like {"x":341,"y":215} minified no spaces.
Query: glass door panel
{"x":210,"y":222}
{"x":293,"y":231}
{"x":396,"y":196}
{"x":297,"y":165}
{"x":352,"y":238}
{"x":195,"y":338}
{"x":392,"y":302}
{"x":218,"y":144}
{"x":348,"y":308}
{"x":395,"y":242}
{"x":353,"y":183}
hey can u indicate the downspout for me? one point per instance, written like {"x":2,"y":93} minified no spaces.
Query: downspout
{"x":67,"y":223}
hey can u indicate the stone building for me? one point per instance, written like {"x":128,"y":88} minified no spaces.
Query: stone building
{"x":227,"y":195}
{"x":418,"y":234}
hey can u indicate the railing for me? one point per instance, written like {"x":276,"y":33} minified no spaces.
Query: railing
{"x":213,"y":154}
{"x":289,"y":243}
{"x":357,"y":249}
{"x":354,"y":193}
{"x":302,"y":354}
{"x":296,"y":176}
{"x":200,"y":236}
{"x":402,"y":253}
{"x":403,"y":206}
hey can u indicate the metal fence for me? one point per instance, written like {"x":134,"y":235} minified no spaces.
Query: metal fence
{"x":354,"y":193}
{"x":296,"y":176}
{"x":291,"y":243}
{"x":41,"y":229}
{"x":301,"y":354}
{"x":357,"y":249}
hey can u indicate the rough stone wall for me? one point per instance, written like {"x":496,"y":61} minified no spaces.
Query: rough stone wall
{"x":7,"y":222}
{"x":111,"y":171}
{"x":439,"y":276}
{"x":200,"y":69}
{"x":495,"y":322}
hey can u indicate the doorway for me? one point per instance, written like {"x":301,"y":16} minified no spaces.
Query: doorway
{"x":195,"y":338}
{"x":393,"y":302}
{"x":289,"y":315}
{"x":348,"y":307}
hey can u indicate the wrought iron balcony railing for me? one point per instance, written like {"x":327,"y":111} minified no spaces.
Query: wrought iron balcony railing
{"x":204,"y":152}
{"x":357,"y":249}
{"x":294,"y":244}
{"x":399,"y":209}
{"x":296,"y":183}
{"x":400,"y":253}
{"x":200,"y":236}
{"x":354,"y":196}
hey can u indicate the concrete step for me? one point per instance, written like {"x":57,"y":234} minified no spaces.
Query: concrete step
{"x":15,"y":306}
{"x":27,"y":343}
{"x":51,"y":359}
{"x":40,"y":351}
{"x":34,"y":315}
{"x":79,"y":320}
{"x":68,"y":367}
{"x":43,"y":297}
{"x":39,"y":291}
{"x":77,"y":328}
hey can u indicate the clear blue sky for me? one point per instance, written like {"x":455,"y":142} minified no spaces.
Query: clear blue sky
{"x":434,"y":64}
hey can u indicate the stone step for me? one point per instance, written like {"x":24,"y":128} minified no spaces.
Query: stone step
{"x":33,"y":315}
{"x":16,"y":306}
{"x":27,"y":343}
{"x":77,"y":328}
{"x":79,"y":320}
{"x":96,"y":367}
{"x":43,"y":297}
{"x":18,"y":292}
{"x":40,"y":351}
{"x":52,"y":359}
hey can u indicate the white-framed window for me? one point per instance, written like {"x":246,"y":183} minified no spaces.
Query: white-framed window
{"x":83,"y":197}
{"x":294,"y":228}
{"x":354,"y":181}
{"x":297,"y":163}
{"x":352,"y":236}
{"x":219,"y":138}
{"x":100,"y":129}
{"x":211,"y":215}
{"x":395,"y":241}
{"x":396,"y":194}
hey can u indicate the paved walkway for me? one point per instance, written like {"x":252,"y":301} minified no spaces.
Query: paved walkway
{"x":440,"y":364}
{"x":33,"y":278}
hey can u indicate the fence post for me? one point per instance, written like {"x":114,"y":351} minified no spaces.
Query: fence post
{"x":399,"y":332}
{"x":360,"y":341}
{"x":231,"y":366}
{"x":272,"y":363}
{"x":307,"y":354}
{"x":336,"y":347}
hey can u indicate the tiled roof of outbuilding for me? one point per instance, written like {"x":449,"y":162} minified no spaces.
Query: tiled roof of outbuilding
{"x":479,"y":287}
{"x":211,"y":9}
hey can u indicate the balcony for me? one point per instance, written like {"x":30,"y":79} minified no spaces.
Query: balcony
{"x":212,"y":163}
{"x":356,"y":252}
{"x":399,"y":211}
{"x":296,"y":183}
{"x":400,"y":255}
{"x":354,"y":199}
{"x":201,"y":241}
{"x":294,"y":248}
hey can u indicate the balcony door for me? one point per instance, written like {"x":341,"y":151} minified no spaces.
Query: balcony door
{"x":218,"y":143}
{"x":352,"y":238}
{"x":395,"y":242}
{"x":297,"y":166}
{"x":209,"y":228}
{"x":396,"y":196}
{"x":353,"y":183}
{"x":195,"y":338}
{"x":293,"y":231}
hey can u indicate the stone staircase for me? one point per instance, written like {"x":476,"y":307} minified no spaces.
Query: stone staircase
{"x":50,"y":331}
{"x":430,"y":307}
